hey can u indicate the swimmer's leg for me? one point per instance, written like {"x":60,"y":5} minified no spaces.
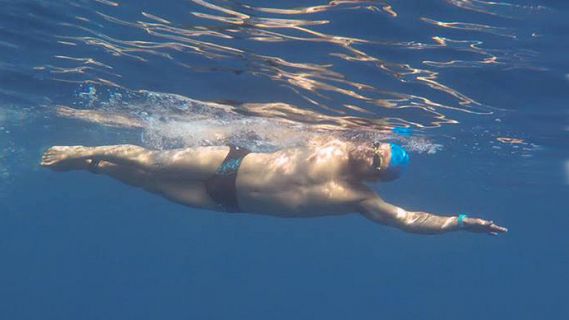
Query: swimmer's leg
{"x":190,"y":193}
{"x":133,"y":177}
{"x":104,"y":118}
{"x":191,"y":163}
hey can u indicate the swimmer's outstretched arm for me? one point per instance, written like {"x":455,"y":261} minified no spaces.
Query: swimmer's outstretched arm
{"x":105,"y":118}
{"x":374,"y":208}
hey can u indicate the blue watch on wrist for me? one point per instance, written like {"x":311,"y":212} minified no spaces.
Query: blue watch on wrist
{"x":460,"y":220}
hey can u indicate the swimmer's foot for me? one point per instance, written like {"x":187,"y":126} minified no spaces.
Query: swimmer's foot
{"x":65,"y":158}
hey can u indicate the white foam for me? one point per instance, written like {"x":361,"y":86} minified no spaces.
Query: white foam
{"x":172,"y":120}
{"x":254,"y":133}
{"x":422,"y":145}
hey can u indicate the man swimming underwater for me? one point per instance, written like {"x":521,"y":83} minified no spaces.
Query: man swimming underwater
{"x":326,"y":179}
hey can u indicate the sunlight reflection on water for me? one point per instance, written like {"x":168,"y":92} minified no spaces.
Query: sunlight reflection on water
{"x":236,"y":38}
{"x":273,"y":72}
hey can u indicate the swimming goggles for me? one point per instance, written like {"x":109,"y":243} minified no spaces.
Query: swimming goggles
{"x":377,"y":158}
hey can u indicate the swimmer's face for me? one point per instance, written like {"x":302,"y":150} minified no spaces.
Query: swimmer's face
{"x":381,"y":157}
{"x":371,"y":159}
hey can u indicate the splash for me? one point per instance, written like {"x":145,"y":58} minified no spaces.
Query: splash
{"x":170,"y":121}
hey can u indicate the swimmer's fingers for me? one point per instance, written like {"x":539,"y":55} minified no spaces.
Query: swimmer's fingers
{"x":483,"y":226}
{"x":496,"y":229}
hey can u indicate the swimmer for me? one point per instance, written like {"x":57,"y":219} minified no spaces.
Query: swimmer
{"x":327,"y":178}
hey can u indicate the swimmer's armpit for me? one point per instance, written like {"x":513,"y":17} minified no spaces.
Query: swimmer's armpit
{"x":380,"y":211}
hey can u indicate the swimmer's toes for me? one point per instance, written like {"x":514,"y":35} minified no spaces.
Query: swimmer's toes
{"x":58,"y":157}
{"x":51,"y":157}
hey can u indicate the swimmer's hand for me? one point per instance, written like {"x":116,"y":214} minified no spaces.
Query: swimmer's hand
{"x":483,"y":226}
{"x":375,"y":209}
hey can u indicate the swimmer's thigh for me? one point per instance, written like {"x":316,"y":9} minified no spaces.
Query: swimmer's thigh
{"x":189,"y":193}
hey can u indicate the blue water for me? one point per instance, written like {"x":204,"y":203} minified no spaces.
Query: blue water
{"x":481,"y":86}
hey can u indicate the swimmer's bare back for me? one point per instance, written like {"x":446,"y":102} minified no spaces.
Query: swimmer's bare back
{"x":295,"y":182}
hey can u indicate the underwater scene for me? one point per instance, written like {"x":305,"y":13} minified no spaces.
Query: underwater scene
{"x":299,"y":159}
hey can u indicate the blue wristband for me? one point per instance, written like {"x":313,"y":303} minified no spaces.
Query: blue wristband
{"x":460,"y":220}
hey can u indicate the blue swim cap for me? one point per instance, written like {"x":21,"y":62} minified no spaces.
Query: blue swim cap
{"x":406,"y":132}
{"x":399,"y":157}
{"x":398,"y":163}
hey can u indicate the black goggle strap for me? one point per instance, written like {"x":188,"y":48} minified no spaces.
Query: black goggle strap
{"x":377,"y":159}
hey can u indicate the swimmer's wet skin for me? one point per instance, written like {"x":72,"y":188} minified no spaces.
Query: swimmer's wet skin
{"x":298,"y":182}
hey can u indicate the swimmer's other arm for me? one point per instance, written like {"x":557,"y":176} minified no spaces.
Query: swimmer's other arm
{"x":382,"y":212}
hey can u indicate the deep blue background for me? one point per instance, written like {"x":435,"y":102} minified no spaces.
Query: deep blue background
{"x":75,"y":246}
